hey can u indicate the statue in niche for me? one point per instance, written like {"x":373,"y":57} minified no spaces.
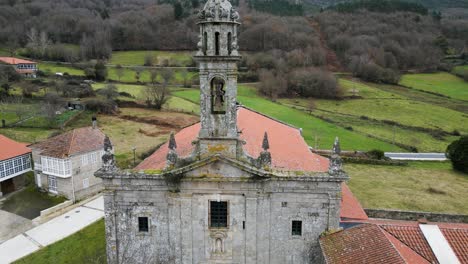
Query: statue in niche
{"x":218,"y":93}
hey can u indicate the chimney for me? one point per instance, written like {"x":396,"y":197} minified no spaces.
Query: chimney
{"x":94,"y":121}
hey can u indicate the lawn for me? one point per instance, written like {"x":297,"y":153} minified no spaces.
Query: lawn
{"x":441,"y":83}
{"x":86,"y":246}
{"x":421,"y":186}
{"x":54,"y":68}
{"x":312,"y":127}
{"x":29,"y":202}
{"x":179,"y":58}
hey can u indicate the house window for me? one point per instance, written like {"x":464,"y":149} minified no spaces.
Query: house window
{"x":143,"y":224}
{"x":15,"y":166}
{"x":218,"y":214}
{"x":52,"y":184}
{"x":296,"y":228}
{"x":86,"y":183}
{"x":56,"y":167}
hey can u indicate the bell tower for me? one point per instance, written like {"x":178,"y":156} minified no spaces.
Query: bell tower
{"x":218,"y":56}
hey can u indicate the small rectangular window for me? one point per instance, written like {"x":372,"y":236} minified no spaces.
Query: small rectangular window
{"x":218,"y":214}
{"x":143,"y":224}
{"x":296,"y":228}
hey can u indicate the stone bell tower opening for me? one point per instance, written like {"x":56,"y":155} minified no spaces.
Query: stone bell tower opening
{"x":217,"y":96}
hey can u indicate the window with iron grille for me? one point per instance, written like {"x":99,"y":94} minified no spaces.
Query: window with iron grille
{"x":296,"y":228}
{"x":143,"y":224}
{"x":218,"y":214}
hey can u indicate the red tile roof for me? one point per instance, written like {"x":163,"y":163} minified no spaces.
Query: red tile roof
{"x":80,"y":140}
{"x":413,"y":237}
{"x":406,"y":252}
{"x":10,"y":148}
{"x":409,"y":234}
{"x":458,"y":240}
{"x":350,"y":206}
{"x":365,"y":243}
{"x":288,"y":149}
{"x":15,"y":61}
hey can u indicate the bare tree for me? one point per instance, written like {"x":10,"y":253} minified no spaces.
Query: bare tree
{"x":138,"y":71}
{"x":157,"y":95}
{"x":119,"y":70}
{"x":153,"y":76}
{"x":110,"y":91}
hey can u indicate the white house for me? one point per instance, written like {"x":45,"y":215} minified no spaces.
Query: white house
{"x":65,"y":164}
{"x":15,"y":160}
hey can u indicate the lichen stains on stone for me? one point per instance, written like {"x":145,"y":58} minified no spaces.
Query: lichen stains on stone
{"x":216,"y":148}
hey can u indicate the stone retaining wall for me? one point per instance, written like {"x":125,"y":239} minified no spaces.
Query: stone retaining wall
{"x":414,"y":216}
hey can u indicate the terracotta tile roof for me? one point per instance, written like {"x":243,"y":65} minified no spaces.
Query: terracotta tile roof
{"x":413,"y":237}
{"x":10,"y":148}
{"x":410,"y":235}
{"x":288,"y":149}
{"x":408,"y":254}
{"x":350,"y":206}
{"x":80,"y":140}
{"x":458,"y":240}
{"x":365,"y":243}
{"x":15,"y":61}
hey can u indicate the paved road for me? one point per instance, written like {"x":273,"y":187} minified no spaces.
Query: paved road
{"x":416,"y":156}
{"x":12,"y":225}
{"x":51,"y":231}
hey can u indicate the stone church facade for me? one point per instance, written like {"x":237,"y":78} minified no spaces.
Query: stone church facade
{"x":239,"y":187}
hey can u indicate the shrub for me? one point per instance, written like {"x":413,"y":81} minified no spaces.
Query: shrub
{"x":376,"y":154}
{"x":314,"y":82}
{"x":101,"y":106}
{"x":457,"y":152}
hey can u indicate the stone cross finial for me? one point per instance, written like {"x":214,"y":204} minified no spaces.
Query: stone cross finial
{"x":264,"y":160}
{"x":265,"y":144}
{"x":172,"y":156}
{"x":336,"y":147}
{"x":336,"y":163}
{"x":172,"y":142}
{"x":108,"y":159}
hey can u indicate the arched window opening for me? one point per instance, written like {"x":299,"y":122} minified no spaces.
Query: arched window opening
{"x":205,"y":42}
{"x":217,"y":43}
{"x":218,"y":98}
{"x":229,"y":43}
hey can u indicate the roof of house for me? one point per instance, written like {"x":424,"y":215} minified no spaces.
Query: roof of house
{"x":406,"y":238}
{"x":76,"y":141}
{"x":15,"y":61}
{"x":289,"y":151}
{"x":10,"y":148}
{"x":361,"y":244}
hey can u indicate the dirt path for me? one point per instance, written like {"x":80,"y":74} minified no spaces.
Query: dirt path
{"x":333,"y":64}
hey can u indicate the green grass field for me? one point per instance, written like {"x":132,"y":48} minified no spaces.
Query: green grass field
{"x":312,"y":126}
{"x":54,"y":68}
{"x":179,"y":58}
{"x":441,"y":83}
{"x":375,"y":106}
{"x":85,"y":246}
{"x":421,"y":186}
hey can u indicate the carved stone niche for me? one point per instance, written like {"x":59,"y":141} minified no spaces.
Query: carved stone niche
{"x":218,"y":239}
